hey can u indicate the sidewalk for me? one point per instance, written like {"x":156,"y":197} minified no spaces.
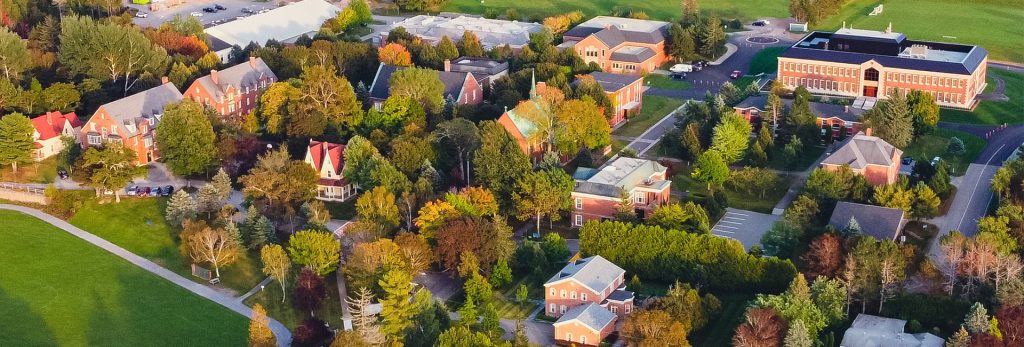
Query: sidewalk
{"x":284,"y":336}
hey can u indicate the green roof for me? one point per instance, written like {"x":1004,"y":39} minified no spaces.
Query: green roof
{"x":525,"y":126}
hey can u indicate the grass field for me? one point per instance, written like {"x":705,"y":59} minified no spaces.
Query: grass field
{"x":683,"y":182}
{"x":138,"y":225}
{"x":42,"y":172}
{"x":992,"y":24}
{"x":654,"y":109}
{"x":58,"y":290}
{"x":661,"y":10}
{"x":926,"y":147}
{"x":665,"y":82}
{"x":719,"y":331}
{"x":994,"y":112}
{"x":766,"y":61}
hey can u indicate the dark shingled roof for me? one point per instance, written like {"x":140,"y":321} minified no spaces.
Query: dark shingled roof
{"x":882,"y":223}
{"x":611,"y":36}
{"x":820,"y":109}
{"x":381,"y":86}
{"x":597,"y":189}
{"x":975,"y":56}
{"x":620,"y":295}
{"x":632,"y":54}
{"x":453,"y":83}
{"x":611,"y":82}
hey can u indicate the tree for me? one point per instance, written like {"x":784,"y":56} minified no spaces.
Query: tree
{"x":1011,"y":323}
{"x":362,"y":10}
{"x":753,"y":180}
{"x":797,"y":336}
{"x":488,"y":240}
{"x":324,"y":98}
{"x":782,"y":239}
{"x":502,"y":274}
{"x":955,"y":147}
{"x":463,"y":136}
{"x":107,"y":51}
{"x":543,"y":193}
{"x":470,"y":45}
{"x":62,"y":97}
{"x":415,"y":250}
{"x":894,"y":196}
{"x":282,"y":182}
{"x":798,"y":304}
{"x":317,"y":250}
{"x":260,"y":334}
{"x":276,"y":265}
{"x":959,"y":339}
{"x":924,"y":110}
{"x":429,"y":320}
{"x":521,"y":294}
{"x":802,"y":213}
{"x":499,"y":161}
{"x":653,"y":327}
{"x":892,"y":120}
{"x":180,"y":208}
{"x":926,"y":202}
{"x":691,"y":142}
{"x":203,"y":243}
{"x":462,"y":336}
{"x":14,"y":57}
{"x":273,"y":106}
{"x":112,"y":167}
{"x":580,"y":124}
{"x":977,"y":319}
{"x":394,"y":54}
{"x":731,"y":137}
{"x":712,"y":38}
{"x":363,"y":320}
{"x":16,"y":142}
{"x":378,"y":206}
{"x":710,"y":169}
{"x":824,"y":256}
{"x":761,"y":327}
{"x":689,"y":217}
{"x":309,"y":291}
{"x":420,"y":84}
{"x":446,"y":48}
{"x":395,"y":311}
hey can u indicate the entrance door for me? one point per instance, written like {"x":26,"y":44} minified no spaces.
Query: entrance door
{"x":870,"y":92}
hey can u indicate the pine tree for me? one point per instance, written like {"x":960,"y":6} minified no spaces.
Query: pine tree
{"x":262,"y":233}
{"x":522,"y":294}
{"x":977,"y":318}
{"x":797,"y":336}
{"x":395,"y":312}
{"x":364,"y":322}
{"x":208,"y":199}
{"x":940,"y":180}
{"x":852,"y":227}
{"x":223,"y":184}
{"x":960,"y":339}
{"x":180,"y":208}
{"x":233,"y":232}
{"x":467,"y":314}
{"x":993,"y":328}
{"x":16,"y":142}
{"x":447,"y":49}
{"x":691,"y":142}
{"x":491,"y":324}
{"x":259,"y":329}
{"x":501,"y":275}
{"x":926,"y":202}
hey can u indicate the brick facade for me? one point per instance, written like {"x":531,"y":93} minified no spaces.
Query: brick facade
{"x":236,"y":97}
{"x":592,"y":49}
{"x":577,"y":334}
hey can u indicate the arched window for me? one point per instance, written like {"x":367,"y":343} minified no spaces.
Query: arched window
{"x":871,"y":74}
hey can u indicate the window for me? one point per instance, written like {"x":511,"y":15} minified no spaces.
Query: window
{"x":551,"y":308}
{"x":94,"y":139}
{"x":583,"y":339}
{"x":640,"y":198}
{"x":614,"y":309}
{"x":626,"y":310}
{"x":572,"y":295}
{"x":871,"y":75}
{"x":583,"y":296}
{"x":149,"y":142}
{"x":568,"y":336}
{"x":563,"y":294}
{"x":579,"y":203}
{"x":552,"y":293}
{"x":579,"y":220}
{"x":561,"y":309}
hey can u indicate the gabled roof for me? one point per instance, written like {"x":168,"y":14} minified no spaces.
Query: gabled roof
{"x":612,"y":82}
{"x":51,"y":124}
{"x":619,"y":30}
{"x":148,"y":104}
{"x":620,"y":296}
{"x":525,"y":126}
{"x":381,"y":86}
{"x":322,"y":152}
{"x":478,"y":66}
{"x":819,"y":109}
{"x":883,"y":223}
{"x":247,"y":74}
{"x":611,"y":36}
{"x":453,"y":83}
{"x":862,"y":150}
{"x":596,"y":273}
{"x":621,"y":175}
{"x":283,"y":24}
{"x":591,"y":315}
{"x":871,"y":331}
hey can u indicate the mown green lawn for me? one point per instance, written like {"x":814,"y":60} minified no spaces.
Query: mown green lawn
{"x":926,"y":147}
{"x":58,"y":290}
{"x":286,"y":313}
{"x":765,"y":61}
{"x":660,"y":10}
{"x":683,"y":182}
{"x":44,"y":171}
{"x":992,"y":24}
{"x":665,"y":82}
{"x":505,"y":301}
{"x":138,"y":225}
{"x":994,"y":112}
{"x":654,"y":109}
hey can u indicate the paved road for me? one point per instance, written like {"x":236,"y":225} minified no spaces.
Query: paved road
{"x":284,"y":337}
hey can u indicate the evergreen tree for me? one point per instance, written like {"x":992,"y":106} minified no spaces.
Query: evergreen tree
{"x":892,"y":121}
{"x":208,"y":200}
{"x":470,"y":46}
{"x":977,"y":320}
{"x":491,"y":323}
{"x":521,"y":294}
{"x":467,"y":314}
{"x":940,"y":182}
{"x":926,"y":202}
{"x":262,"y":233}
{"x":395,"y":312}
{"x":852,"y":228}
{"x":712,"y":38}
{"x":501,"y":275}
{"x":797,"y":336}
{"x":223,"y":184}
{"x":180,"y":208}
{"x":956,"y":146}
{"x":692,"y":148}
{"x":16,"y":142}
{"x":959,"y":339}
{"x":232,"y":229}
{"x":447,"y":49}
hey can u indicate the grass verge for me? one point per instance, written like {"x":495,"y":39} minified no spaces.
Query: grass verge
{"x":287,"y":314}
{"x":926,"y":147}
{"x":44,"y":171}
{"x":765,"y":61}
{"x":994,"y":112}
{"x":654,"y":109}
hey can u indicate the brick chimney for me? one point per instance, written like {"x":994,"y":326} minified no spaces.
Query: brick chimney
{"x":447,"y":65}
{"x":214,"y":77}
{"x":867,"y":131}
{"x":164,"y":80}
{"x":252,"y":62}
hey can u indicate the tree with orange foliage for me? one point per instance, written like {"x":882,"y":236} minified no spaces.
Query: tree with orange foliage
{"x":824,"y":257}
{"x":394,"y":54}
{"x":762,"y":327}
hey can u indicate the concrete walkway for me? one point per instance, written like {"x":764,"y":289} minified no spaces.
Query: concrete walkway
{"x":284,"y":337}
{"x":255,"y":289}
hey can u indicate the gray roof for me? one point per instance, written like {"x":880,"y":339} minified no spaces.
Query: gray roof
{"x":611,"y":82}
{"x":632,"y":54}
{"x":147,"y":104}
{"x":883,"y":223}
{"x":247,"y":74}
{"x":283,"y":24}
{"x":453,"y":82}
{"x":621,"y":175}
{"x":820,"y":109}
{"x":596,"y":273}
{"x":491,"y":32}
{"x":861,"y":150}
{"x":590,"y":314}
{"x":478,"y":66}
{"x":381,"y":86}
{"x":874,"y":331}
{"x":615,"y":30}
{"x":814,"y":47}
{"x":620,"y":295}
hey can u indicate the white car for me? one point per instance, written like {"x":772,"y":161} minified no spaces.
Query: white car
{"x":196,"y":14}
{"x":141,"y":14}
{"x":678,"y":68}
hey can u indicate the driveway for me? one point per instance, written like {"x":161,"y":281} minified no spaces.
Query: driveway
{"x":538,"y":332}
{"x":439,"y":284}
{"x":747,"y":227}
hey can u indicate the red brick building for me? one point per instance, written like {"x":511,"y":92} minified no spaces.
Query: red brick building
{"x":588,"y":295}
{"x":462,"y":88}
{"x":837,"y":121}
{"x":328,"y":159}
{"x":131,"y":121}
{"x":871,"y":64}
{"x":625,"y":91}
{"x":620,"y":45}
{"x":233,"y":91}
{"x":49,"y":129}
{"x":599,"y":191}
{"x":869,"y":156}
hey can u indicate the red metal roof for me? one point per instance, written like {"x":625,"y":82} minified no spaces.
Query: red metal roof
{"x":51,"y":124}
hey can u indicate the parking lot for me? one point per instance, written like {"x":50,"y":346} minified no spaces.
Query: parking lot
{"x":233,"y":11}
{"x":747,"y":227}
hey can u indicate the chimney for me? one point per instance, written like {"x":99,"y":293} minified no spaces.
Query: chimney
{"x":164,"y":80}
{"x":846,"y":109}
{"x":213,"y":76}
{"x":867,"y":132}
{"x":252,"y":62}
{"x":447,"y":65}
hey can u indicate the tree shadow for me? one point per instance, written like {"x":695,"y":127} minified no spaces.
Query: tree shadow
{"x":22,"y":325}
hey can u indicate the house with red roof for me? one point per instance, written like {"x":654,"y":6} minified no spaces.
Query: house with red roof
{"x":50,"y":128}
{"x":328,"y":159}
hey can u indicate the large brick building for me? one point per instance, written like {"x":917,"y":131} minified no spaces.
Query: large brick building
{"x":588,"y":295}
{"x":835,"y":121}
{"x":859,"y":63}
{"x":619,"y":45}
{"x":233,"y":91}
{"x":625,"y":91}
{"x":869,"y":156}
{"x":599,"y":192}
{"x":132,"y":121}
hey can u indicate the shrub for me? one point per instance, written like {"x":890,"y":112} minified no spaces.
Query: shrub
{"x":956,"y":146}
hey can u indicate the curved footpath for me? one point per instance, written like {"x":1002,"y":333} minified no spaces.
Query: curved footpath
{"x":284,"y":337}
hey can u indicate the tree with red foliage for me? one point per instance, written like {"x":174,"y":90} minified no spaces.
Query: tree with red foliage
{"x":488,"y":240}
{"x":311,"y":333}
{"x":986,"y":340}
{"x":1011,"y":324}
{"x":176,"y":43}
{"x":309,"y":291}
{"x":824,"y":256}
{"x":762,"y":327}
{"x":394,"y":54}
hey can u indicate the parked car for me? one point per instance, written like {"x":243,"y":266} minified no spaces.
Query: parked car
{"x":248,"y":10}
{"x":219,"y":7}
{"x":141,"y":14}
{"x":63,"y":174}
{"x":679,"y":76}
{"x":209,"y":10}
{"x":196,"y":14}
{"x":131,"y":190}
{"x":735,"y":74}
{"x":908,"y":161}
{"x":761,"y":23}
{"x":155,"y":191}
{"x":167,"y":191}
{"x":143,"y":191}
{"x":935,"y":161}
{"x":677,"y":68}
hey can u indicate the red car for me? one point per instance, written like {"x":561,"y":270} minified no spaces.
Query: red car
{"x":735,"y":74}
